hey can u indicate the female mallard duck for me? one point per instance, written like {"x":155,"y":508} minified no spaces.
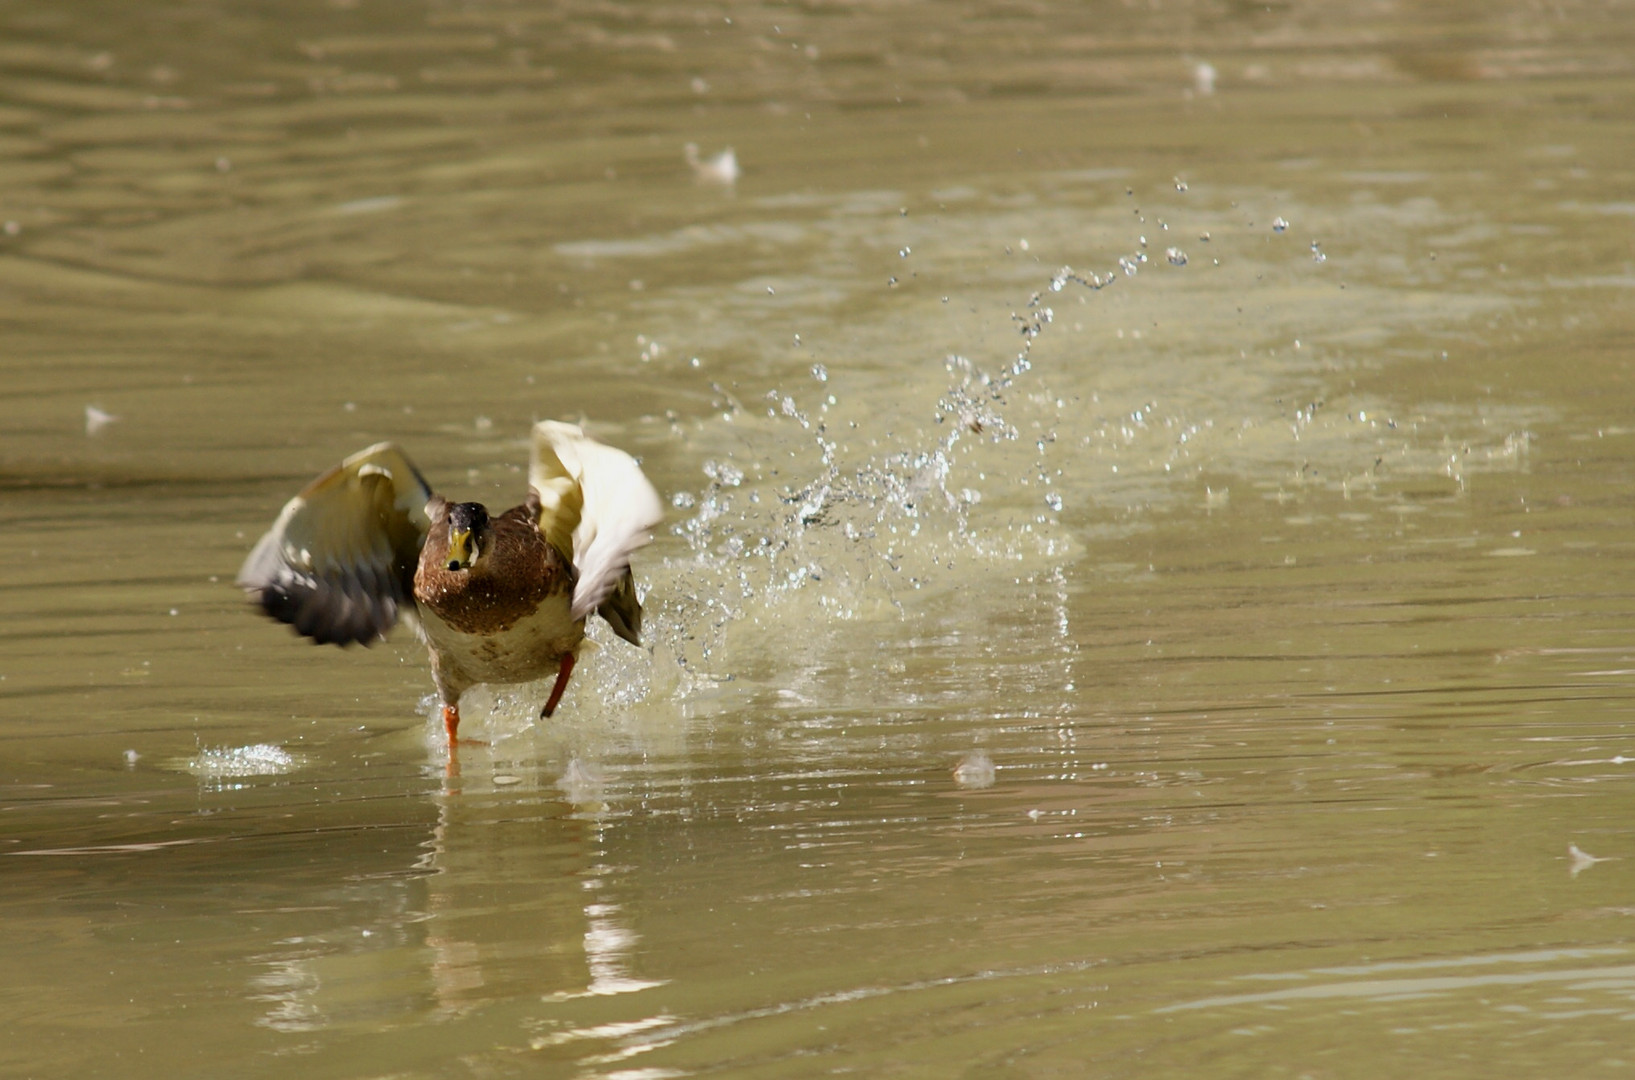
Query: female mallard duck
{"x":496,"y":599}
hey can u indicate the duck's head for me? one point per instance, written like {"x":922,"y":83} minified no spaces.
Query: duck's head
{"x":468,"y":534}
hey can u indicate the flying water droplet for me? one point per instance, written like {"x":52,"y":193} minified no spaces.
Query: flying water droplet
{"x":723,"y":473}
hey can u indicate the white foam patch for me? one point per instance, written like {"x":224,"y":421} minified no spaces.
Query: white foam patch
{"x":223,"y":762}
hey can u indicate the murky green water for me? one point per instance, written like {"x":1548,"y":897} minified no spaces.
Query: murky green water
{"x":1212,"y":660}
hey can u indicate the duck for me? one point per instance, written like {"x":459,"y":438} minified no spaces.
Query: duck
{"x":496,"y":598}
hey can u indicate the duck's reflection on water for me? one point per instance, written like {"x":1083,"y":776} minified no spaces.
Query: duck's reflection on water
{"x":350,"y":918}
{"x":507,"y":899}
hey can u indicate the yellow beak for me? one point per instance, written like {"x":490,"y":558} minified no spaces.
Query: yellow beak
{"x":461,"y":552}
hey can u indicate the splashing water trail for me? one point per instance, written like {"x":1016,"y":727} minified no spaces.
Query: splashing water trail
{"x":825,"y":547}
{"x":855,"y":531}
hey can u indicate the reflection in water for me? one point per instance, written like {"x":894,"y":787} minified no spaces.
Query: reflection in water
{"x":508,"y":898}
{"x":607,"y":950}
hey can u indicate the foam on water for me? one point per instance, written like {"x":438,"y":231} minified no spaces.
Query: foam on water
{"x":234,"y":762}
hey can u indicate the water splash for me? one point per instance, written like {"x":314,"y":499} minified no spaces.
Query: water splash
{"x":975,"y":771}
{"x":827,"y":534}
{"x":853,"y":514}
{"x":234,"y":762}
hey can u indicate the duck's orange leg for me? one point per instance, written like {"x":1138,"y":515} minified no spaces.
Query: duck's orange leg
{"x":561,"y":685}
{"x":451,"y":722}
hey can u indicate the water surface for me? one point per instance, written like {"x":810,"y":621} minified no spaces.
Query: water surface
{"x":1144,"y":591}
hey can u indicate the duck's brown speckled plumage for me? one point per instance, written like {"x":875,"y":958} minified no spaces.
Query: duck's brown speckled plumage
{"x":369,"y":539}
{"x":517,"y":573}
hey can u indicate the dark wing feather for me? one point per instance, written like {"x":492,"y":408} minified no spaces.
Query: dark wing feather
{"x":622,"y":609}
{"x":338,"y":564}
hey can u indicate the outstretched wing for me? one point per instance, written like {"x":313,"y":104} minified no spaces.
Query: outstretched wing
{"x":598,"y":508}
{"x":338,"y":564}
